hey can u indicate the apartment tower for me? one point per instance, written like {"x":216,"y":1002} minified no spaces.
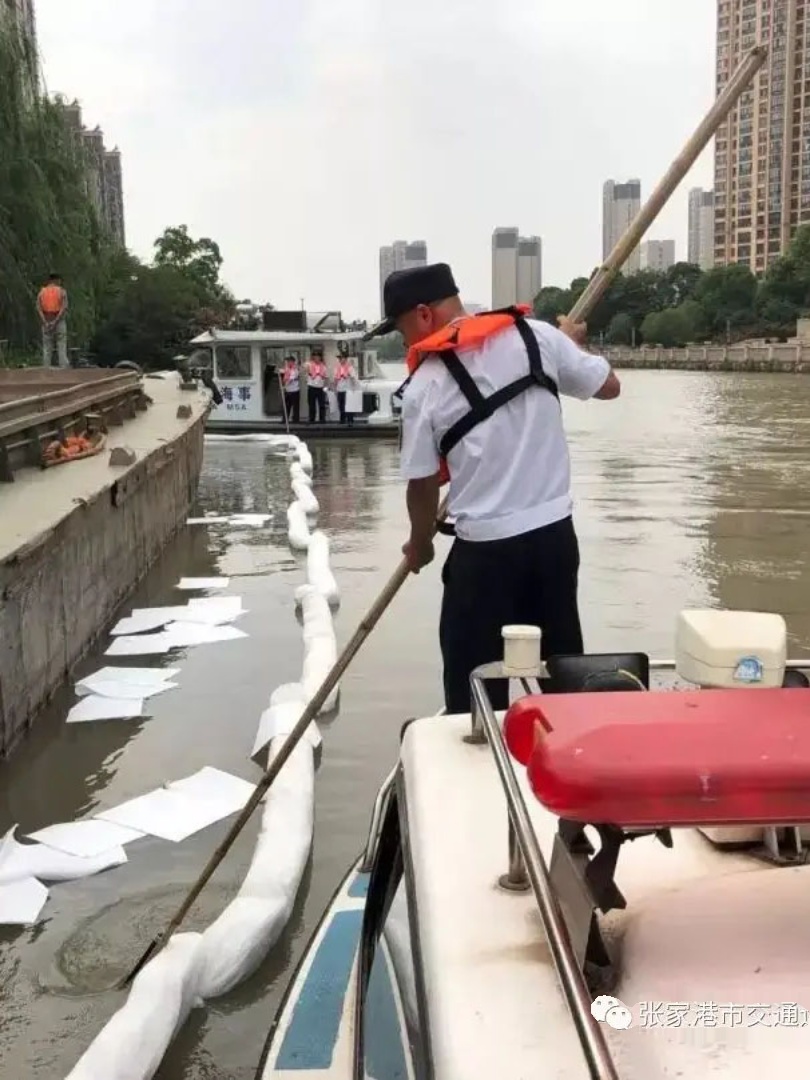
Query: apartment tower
{"x":401,"y":255}
{"x":658,"y":255}
{"x":762,"y":153}
{"x":517,"y":267}
{"x":701,"y":228}
{"x":621,"y":204}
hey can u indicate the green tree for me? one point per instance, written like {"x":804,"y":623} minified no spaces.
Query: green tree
{"x":47,"y":222}
{"x":694,"y":324}
{"x":620,"y":331}
{"x":552,"y":302}
{"x":198,"y":259}
{"x":670,"y":328}
{"x":678,"y":283}
{"x":727,"y":294}
{"x":153,"y":318}
{"x":784,"y":293}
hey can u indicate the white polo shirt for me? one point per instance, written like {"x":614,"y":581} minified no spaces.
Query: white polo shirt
{"x":511,"y":473}
{"x":291,"y":381}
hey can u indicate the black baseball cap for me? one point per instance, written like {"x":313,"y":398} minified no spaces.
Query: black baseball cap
{"x":406,"y":289}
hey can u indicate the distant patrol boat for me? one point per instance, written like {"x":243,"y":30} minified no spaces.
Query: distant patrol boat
{"x":246,"y":366}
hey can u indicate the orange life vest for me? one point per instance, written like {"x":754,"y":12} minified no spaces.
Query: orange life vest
{"x":290,"y":374}
{"x":50,"y":299}
{"x":465,"y":335}
{"x":343,"y":371}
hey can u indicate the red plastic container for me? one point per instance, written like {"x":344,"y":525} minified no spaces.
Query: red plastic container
{"x":640,"y":760}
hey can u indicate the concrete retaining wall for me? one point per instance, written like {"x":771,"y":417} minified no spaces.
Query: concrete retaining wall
{"x":60,"y":591}
{"x":792,"y":358}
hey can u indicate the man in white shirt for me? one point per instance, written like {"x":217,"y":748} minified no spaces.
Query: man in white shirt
{"x":516,"y":557}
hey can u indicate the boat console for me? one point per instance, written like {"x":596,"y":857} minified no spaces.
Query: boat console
{"x":633,"y":817}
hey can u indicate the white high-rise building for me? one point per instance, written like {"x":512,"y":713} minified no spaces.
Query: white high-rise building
{"x":529,"y":268}
{"x":401,"y":255}
{"x":504,"y":267}
{"x":657,"y":255}
{"x":701,"y":228}
{"x":621,"y":204}
{"x":517,"y":265}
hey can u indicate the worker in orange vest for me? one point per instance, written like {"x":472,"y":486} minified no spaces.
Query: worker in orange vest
{"x":345,"y":380}
{"x":316,"y":388}
{"x":52,"y":306}
{"x":481,"y":410}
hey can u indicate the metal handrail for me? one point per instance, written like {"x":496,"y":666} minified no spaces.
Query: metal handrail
{"x":571,"y":978}
{"x":377,"y":815}
{"x":75,"y":395}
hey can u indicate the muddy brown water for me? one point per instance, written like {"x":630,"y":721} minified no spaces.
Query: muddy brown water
{"x":693,"y":489}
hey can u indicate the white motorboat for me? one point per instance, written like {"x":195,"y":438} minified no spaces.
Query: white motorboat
{"x":482,"y":937}
{"x":246,"y":365}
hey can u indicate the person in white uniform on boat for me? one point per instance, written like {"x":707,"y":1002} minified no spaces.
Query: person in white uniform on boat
{"x":481,"y":409}
{"x":345,"y":381}
{"x":291,"y":381}
{"x":316,"y":388}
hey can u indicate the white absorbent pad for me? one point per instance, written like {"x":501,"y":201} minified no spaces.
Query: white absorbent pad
{"x":21,"y":861}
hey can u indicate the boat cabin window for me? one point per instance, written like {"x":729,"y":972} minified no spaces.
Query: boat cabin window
{"x":234,"y":362}
{"x":366,"y":365}
{"x":275,"y":355}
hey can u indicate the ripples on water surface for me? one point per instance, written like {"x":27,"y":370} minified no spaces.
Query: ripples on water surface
{"x":692,"y":489}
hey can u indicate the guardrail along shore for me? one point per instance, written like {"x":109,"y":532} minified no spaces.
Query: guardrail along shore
{"x":791,"y":358}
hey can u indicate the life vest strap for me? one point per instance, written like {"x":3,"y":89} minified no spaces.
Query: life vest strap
{"x":482,"y":408}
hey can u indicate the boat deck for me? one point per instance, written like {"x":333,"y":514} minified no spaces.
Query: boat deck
{"x":701,"y":926}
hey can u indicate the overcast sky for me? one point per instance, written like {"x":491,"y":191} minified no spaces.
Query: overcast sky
{"x":303,"y":134}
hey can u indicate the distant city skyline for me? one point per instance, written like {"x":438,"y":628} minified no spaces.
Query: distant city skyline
{"x":185,"y":147}
{"x":517,"y":267}
{"x":401,"y":255}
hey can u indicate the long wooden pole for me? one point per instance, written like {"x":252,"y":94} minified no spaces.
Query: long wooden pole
{"x":284,"y":401}
{"x":586,"y":302}
{"x":737,"y":86}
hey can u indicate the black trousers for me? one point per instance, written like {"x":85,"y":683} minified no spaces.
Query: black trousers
{"x":527,"y":580}
{"x":317,"y":403}
{"x":341,"y":399}
{"x":292,"y":401}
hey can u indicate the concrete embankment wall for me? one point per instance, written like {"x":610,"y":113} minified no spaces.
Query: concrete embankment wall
{"x":59,"y":589}
{"x":790,"y":359}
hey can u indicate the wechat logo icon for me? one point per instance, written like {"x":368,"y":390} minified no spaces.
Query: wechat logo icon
{"x":609,"y":1010}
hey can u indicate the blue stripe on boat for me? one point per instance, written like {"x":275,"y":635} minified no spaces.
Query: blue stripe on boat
{"x":385,"y":1054}
{"x":309,"y":1041}
{"x":359,"y":887}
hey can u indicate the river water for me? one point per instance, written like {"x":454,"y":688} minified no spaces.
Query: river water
{"x":693,"y":489}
